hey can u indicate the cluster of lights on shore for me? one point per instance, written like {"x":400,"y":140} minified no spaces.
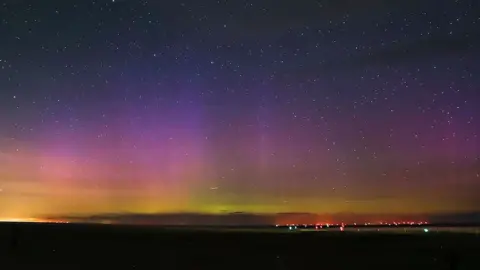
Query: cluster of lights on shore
{"x":31,"y":220}
{"x":342,"y":226}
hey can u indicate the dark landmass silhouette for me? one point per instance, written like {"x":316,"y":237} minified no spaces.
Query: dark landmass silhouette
{"x":252,"y":219}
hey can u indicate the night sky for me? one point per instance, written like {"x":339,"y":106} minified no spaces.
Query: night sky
{"x":327,"y":107}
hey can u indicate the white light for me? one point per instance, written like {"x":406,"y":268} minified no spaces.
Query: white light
{"x":425,"y":230}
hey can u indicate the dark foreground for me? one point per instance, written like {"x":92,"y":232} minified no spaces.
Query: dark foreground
{"x":67,"y":246}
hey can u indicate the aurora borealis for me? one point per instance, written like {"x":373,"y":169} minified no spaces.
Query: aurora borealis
{"x":262,"y":107}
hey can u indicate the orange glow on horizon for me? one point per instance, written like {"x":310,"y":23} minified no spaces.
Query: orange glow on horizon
{"x":20,"y":220}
